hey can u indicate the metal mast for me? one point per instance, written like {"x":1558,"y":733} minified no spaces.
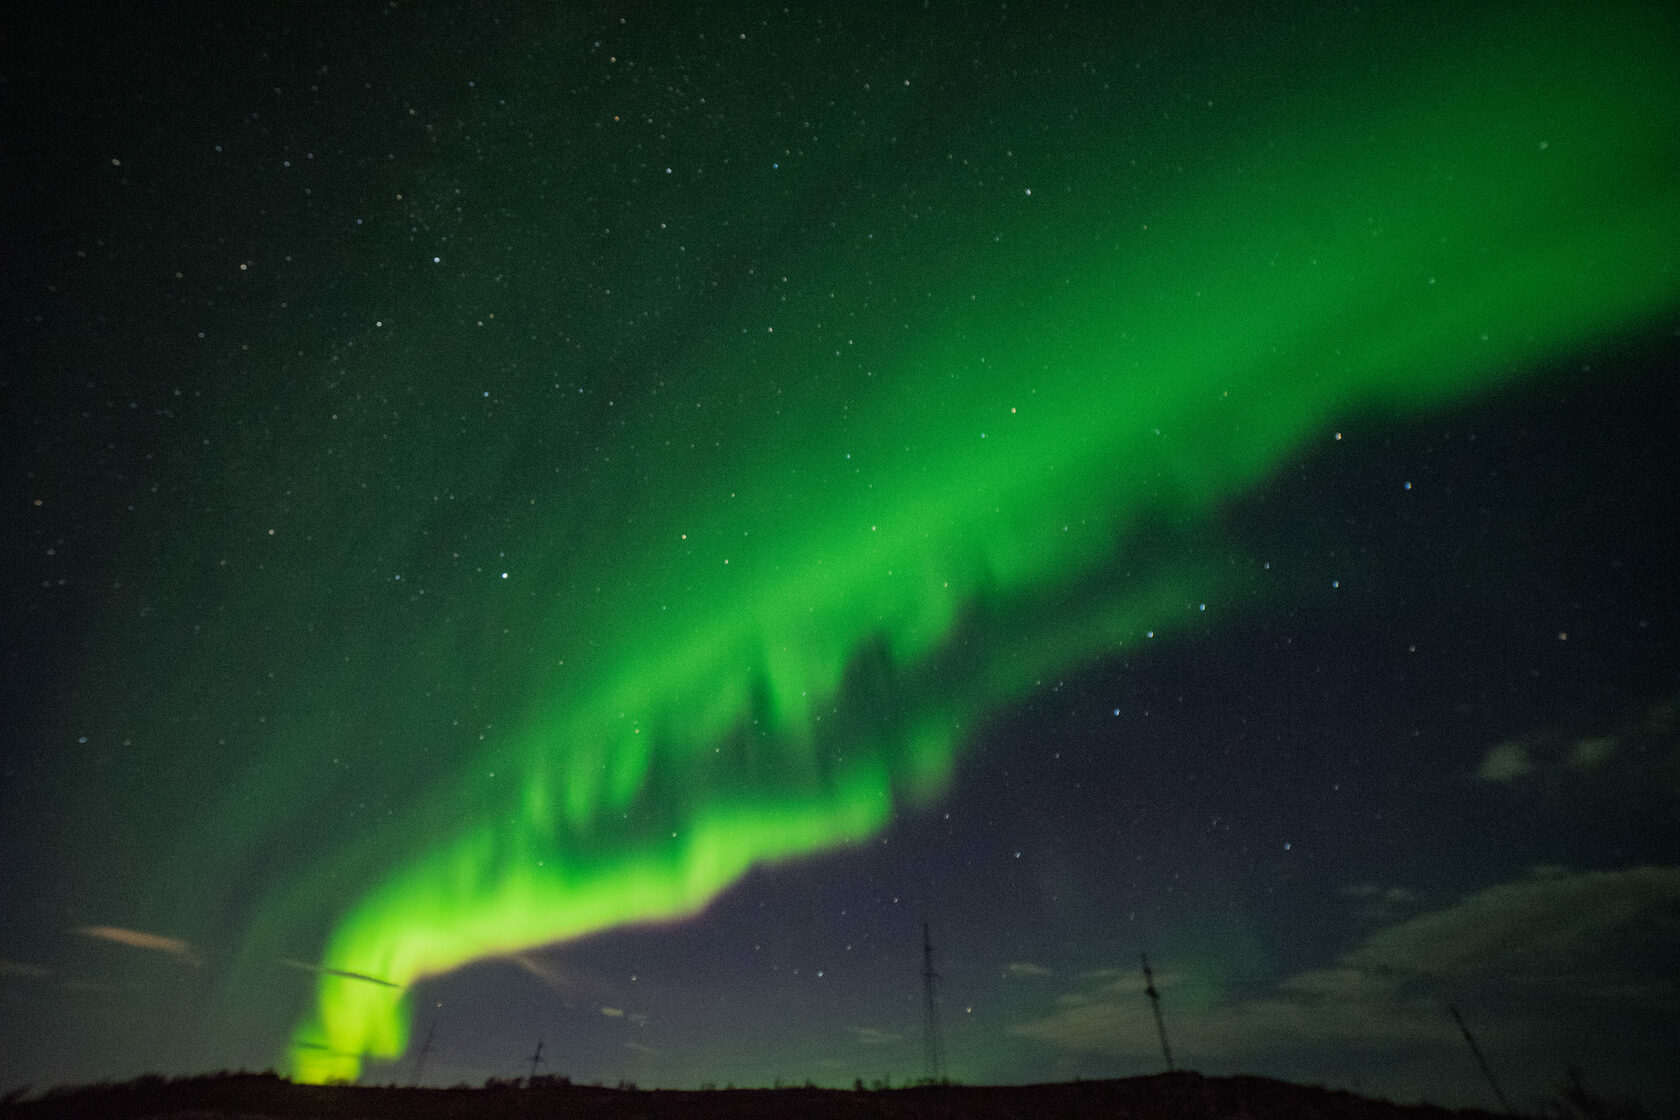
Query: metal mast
{"x":1155,"y":1006}
{"x":425,"y":1049}
{"x":1487,"y":1071}
{"x":929,"y":977}
{"x":536,"y":1057}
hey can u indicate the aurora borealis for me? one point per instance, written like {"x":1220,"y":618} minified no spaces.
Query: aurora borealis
{"x":514,"y":474}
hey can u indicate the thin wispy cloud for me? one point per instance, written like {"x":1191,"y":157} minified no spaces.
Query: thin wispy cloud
{"x":182,"y":951}
{"x":873,"y":1036}
{"x":1555,"y":915}
{"x":574,"y":987}
{"x":1539,"y":936}
{"x":1383,"y":904}
{"x":542,"y":970}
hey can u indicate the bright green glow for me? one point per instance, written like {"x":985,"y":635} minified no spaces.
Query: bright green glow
{"x":802,"y":639}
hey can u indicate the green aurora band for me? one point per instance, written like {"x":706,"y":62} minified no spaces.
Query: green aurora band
{"x":799,"y":639}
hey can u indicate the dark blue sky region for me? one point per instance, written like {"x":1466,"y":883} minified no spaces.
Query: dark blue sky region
{"x":359,"y":364}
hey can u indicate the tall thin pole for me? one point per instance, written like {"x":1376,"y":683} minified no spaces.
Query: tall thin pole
{"x":1487,"y":1071}
{"x":929,"y":978}
{"x":536,"y":1057}
{"x":1155,"y":1006}
{"x":425,"y":1049}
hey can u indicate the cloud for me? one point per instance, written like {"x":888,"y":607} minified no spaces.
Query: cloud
{"x":1317,"y":1010}
{"x":138,"y":939}
{"x":1662,"y":718}
{"x":1371,"y":891}
{"x":613,"y":1012}
{"x":1648,"y":744}
{"x":1024,"y":968}
{"x":542,"y":970}
{"x":1550,"y":917}
{"x":1506,"y":762}
{"x":1539,"y":941}
{"x":575,"y":986}
{"x":871,"y":1036}
{"x":87,"y":986}
{"x":1383,"y":904}
{"x":1592,"y":754}
{"x":23,"y":968}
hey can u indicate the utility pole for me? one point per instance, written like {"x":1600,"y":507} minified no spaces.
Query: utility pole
{"x":931,"y":1028}
{"x":535,"y":1058}
{"x":425,"y":1049}
{"x":1475,"y":1050}
{"x":1155,"y":1006}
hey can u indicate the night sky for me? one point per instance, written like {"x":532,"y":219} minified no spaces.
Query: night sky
{"x":592,"y":523}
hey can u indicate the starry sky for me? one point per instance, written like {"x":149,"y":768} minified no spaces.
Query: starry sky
{"x":592,"y":523}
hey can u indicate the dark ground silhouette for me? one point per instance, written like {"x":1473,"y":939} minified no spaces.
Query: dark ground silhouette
{"x":1171,"y":1096}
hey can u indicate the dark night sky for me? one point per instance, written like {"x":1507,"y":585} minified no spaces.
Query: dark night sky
{"x":592,"y":523}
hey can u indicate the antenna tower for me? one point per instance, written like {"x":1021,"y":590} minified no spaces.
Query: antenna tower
{"x":1155,"y":1006}
{"x":931,"y":1028}
{"x":425,"y":1049}
{"x":536,"y":1057}
{"x":1475,"y":1050}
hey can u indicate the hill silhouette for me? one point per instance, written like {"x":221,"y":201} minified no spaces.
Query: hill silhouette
{"x":1170,"y":1096}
